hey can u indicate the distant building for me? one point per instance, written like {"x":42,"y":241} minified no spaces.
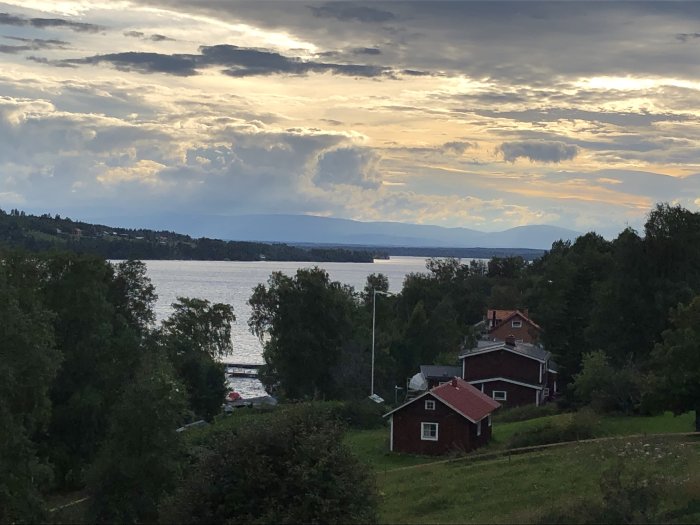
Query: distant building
{"x":453,"y":416}
{"x":511,"y":372}
{"x":500,"y":324}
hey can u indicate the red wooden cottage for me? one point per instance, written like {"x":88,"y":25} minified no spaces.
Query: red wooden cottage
{"x":503,"y":323}
{"x":511,"y":372}
{"x":453,"y":416}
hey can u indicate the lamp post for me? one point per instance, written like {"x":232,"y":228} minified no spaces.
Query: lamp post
{"x":372,"y":395}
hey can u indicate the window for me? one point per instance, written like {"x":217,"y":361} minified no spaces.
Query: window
{"x":478,"y":428}
{"x":516,"y":324}
{"x":545,"y":393}
{"x":499,"y":395}
{"x":429,"y":431}
{"x":429,"y":404}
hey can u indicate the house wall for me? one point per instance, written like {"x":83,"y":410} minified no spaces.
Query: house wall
{"x":455,"y":432}
{"x":502,"y":363}
{"x":526,"y":333}
{"x":517,"y":395}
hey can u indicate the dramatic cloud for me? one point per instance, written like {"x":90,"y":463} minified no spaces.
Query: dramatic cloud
{"x":236,"y":61}
{"x":538,"y":151}
{"x":351,"y":166}
{"x":483,"y":114}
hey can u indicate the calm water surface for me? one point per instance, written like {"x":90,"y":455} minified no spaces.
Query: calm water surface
{"x":232,"y":282}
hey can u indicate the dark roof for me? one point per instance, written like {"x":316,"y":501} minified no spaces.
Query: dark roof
{"x":440,"y":372}
{"x":527,"y":349}
{"x":460,"y":396}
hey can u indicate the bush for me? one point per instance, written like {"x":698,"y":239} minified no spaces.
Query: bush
{"x":364,"y":414}
{"x":510,"y":415}
{"x":580,"y":425}
{"x":288,"y":466}
{"x":637,"y":486}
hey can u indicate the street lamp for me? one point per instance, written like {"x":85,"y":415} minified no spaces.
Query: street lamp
{"x":374,"y":397}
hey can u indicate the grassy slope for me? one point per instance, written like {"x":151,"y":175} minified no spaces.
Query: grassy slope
{"x":498,"y":490}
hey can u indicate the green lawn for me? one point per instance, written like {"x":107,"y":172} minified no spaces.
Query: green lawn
{"x":509,"y":489}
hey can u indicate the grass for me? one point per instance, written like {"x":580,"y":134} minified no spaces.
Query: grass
{"x":504,"y":490}
{"x":508,"y":489}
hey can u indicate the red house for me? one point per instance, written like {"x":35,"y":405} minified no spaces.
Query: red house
{"x":502,"y":323}
{"x":453,"y":416}
{"x":511,"y":372}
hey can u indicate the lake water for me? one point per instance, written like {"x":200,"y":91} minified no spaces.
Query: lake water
{"x":232,"y":282}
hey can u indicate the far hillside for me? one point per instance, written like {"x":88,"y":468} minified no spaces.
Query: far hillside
{"x":45,"y":232}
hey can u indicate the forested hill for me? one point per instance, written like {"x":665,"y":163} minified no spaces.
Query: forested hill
{"x":46,"y":232}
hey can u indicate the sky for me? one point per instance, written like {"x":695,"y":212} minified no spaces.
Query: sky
{"x":486,"y":115}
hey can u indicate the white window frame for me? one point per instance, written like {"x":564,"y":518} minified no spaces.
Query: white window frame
{"x":504,"y":397}
{"x":430,"y":404}
{"x":478,"y":428}
{"x":426,"y":425}
{"x":545,"y":392}
{"x":516,"y":324}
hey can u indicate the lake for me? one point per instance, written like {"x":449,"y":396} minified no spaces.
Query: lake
{"x":232,"y":282}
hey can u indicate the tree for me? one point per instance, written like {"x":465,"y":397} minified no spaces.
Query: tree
{"x":303,"y":322}
{"x":195,"y":336}
{"x":288,"y":467}
{"x":676,"y":361}
{"x":139,"y":461}
{"x":607,"y":388}
{"x":28,"y":365}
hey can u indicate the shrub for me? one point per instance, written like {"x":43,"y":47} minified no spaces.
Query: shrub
{"x":510,"y":415}
{"x":288,"y":466}
{"x":580,"y":425}
{"x":363,"y":414}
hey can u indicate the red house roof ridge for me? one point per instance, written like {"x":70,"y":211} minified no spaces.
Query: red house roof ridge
{"x":460,"y":396}
{"x":509,"y":314}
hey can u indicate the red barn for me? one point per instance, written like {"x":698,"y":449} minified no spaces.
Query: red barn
{"x":453,"y":416}
{"x":511,"y":372}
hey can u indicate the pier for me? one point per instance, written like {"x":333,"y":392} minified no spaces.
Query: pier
{"x":242,"y":370}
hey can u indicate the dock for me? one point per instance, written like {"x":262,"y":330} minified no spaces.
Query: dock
{"x":242,"y":370}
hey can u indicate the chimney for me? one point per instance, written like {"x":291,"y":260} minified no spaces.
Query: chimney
{"x":454,"y":382}
{"x":510,"y":340}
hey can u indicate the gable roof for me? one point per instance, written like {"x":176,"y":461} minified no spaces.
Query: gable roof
{"x":503,"y":316}
{"x":530,"y":350}
{"x":460,"y":396}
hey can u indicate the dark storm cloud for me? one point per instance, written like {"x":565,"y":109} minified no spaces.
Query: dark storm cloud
{"x":43,"y":23}
{"x":351,"y":11}
{"x":236,"y":61}
{"x":538,"y":151}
